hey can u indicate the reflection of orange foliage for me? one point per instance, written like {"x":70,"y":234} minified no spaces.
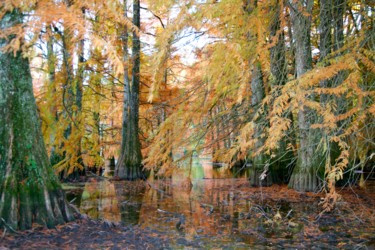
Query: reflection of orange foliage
{"x":223,"y":207}
{"x":100,"y":202}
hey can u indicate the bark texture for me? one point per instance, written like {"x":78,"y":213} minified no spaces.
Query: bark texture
{"x":280,"y":164}
{"x":278,"y":65}
{"x":130,"y":162}
{"x":304,"y":176}
{"x":29,"y":190}
{"x":78,"y":117}
{"x":325,"y":37}
{"x":258,"y":174}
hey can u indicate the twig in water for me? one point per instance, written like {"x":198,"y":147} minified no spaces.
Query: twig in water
{"x":6,"y":226}
{"x":155,"y":188}
{"x":290,"y":211}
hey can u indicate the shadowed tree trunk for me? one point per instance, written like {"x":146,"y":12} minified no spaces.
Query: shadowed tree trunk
{"x":338,"y":43}
{"x":304,"y":176}
{"x":325,"y":38}
{"x":280,"y":164}
{"x":51,"y":68}
{"x":278,"y":65}
{"x":57,"y":156}
{"x":331,"y":39}
{"x":327,"y":24}
{"x":130,"y":162}
{"x":29,"y":190}
{"x":259,"y":172}
{"x":260,"y":160}
{"x":78,"y":117}
{"x":338,"y":23}
{"x":69,"y":159}
{"x":120,"y":168}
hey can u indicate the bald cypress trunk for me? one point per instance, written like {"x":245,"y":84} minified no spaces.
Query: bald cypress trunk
{"x":327,"y":24}
{"x":120,"y":168}
{"x":304,"y":176}
{"x":29,"y":190}
{"x":281,"y":162}
{"x":338,"y":42}
{"x":325,"y":38}
{"x":260,"y":160}
{"x":78,"y":117}
{"x":130,"y":162}
{"x":51,"y":68}
{"x":278,"y":65}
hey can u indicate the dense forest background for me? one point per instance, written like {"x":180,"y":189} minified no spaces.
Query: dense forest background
{"x":284,"y":86}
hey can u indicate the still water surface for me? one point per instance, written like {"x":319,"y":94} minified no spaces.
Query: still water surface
{"x":213,"y":214}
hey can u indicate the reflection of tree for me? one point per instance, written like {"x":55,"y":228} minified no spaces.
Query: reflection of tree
{"x":99,"y":201}
{"x":155,"y":198}
{"x":130,"y":195}
{"x":211,"y":207}
{"x":222,"y":172}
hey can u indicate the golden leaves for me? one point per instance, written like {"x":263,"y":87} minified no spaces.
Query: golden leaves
{"x":335,"y":172}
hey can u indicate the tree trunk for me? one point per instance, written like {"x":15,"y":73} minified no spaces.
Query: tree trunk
{"x":69,"y":158}
{"x":278,"y":67}
{"x":130,"y":163}
{"x":78,"y":117}
{"x":325,"y":38}
{"x":68,"y":92}
{"x":338,"y":43}
{"x":258,"y":174}
{"x":51,"y":68}
{"x":120,"y":168}
{"x":304,"y":176}
{"x":338,"y":27}
{"x":29,"y":190}
{"x":327,"y":24}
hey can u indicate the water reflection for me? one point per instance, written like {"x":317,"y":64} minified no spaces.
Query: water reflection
{"x":130,"y":195}
{"x":112,"y":201}
{"x":210,"y":208}
{"x":214,"y":213}
{"x":204,"y":168}
{"x":99,"y":201}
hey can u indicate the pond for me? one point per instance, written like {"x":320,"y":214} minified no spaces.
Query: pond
{"x":220,"y":211}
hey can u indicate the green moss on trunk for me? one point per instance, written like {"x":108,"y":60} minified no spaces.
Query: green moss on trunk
{"x":29,"y":190}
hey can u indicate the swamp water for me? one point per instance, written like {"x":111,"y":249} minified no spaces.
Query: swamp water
{"x":215,"y":213}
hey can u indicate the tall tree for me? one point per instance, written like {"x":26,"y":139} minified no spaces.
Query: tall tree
{"x":78,"y":117}
{"x":283,"y":157}
{"x":259,"y":175}
{"x":68,"y":157}
{"x":129,"y":165}
{"x":325,"y":45}
{"x":304,"y":176}
{"x":51,"y":95}
{"x":29,"y":190}
{"x":328,"y":23}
